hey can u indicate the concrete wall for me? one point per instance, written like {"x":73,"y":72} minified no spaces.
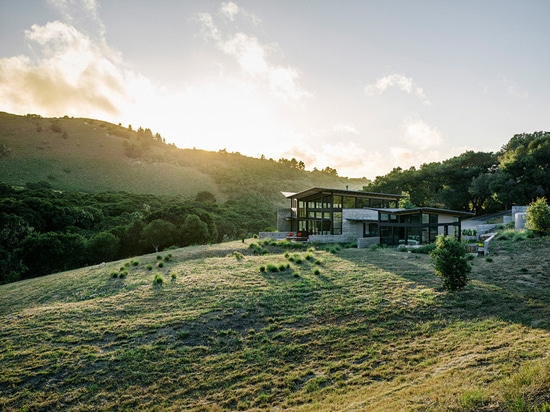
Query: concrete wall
{"x":520,"y":220}
{"x":273,"y":235}
{"x":283,"y":224}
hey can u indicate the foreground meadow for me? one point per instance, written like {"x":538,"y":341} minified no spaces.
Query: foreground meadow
{"x":252,"y":326}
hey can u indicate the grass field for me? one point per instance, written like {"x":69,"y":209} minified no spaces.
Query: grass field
{"x":240,"y":327}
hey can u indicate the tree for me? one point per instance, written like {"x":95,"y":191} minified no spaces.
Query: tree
{"x":195,"y":231}
{"x":538,"y":217}
{"x":159,"y":234}
{"x":205,"y":197}
{"x":450,"y":262}
{"x":103,"y":247}
{"x":45,"y":253}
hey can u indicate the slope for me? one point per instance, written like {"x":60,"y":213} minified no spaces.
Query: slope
{"x":89,"y":155}
{"x":273,"y":326}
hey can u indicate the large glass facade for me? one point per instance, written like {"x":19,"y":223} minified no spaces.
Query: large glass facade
{"x":321,"y":213}
{"x":414,"y":228}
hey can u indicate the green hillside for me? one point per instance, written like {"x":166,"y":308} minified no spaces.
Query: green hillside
{"x":261,"y":326}
{"x":94,"y":156}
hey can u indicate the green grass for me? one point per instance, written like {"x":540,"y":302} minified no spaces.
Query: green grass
{"x":370,"y":329}
{"x":94,"y":156}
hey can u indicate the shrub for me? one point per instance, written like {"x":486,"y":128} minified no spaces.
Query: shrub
{"x":284,"y":266}
{"x":114,"y":275}
{"x":160,"y":265}
{"x":173,"y":276}
{"x":122,"y":274}
{"x":316,"y":272}
{"x":262,"y":268}
{"x":159,"y":279}
{"x":149,"y":267}
{"x":135,"y":263}
{"x":538,"y":217}
{"x":272,"y":268}
{"x":450,"y":261}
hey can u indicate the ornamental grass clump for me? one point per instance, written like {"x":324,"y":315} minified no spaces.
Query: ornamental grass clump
{"x":159,"y":279}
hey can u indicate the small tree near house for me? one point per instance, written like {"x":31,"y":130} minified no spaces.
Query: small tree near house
{"x":538,"y":217}
{"x":450,"y":262}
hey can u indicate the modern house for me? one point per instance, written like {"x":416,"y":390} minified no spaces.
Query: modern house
{"x":340,"y":216}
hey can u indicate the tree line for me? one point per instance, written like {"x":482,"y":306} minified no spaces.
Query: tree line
{"x":44,"y":231}
{"x":478,"y":182}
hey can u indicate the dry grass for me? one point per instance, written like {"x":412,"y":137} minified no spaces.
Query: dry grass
{"x":356,"y":330}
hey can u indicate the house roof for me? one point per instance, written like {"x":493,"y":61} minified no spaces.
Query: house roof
{"x":314,"y":191}
{"x":435,"y":210}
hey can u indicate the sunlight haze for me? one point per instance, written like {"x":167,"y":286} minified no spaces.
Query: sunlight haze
{"x":360,"y":86}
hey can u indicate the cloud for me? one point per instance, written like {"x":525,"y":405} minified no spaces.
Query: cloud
{"x":253,"y":57}
{"x":403,"y":83}
{"x":421,"y":136}
{"x":346,"y":128}
{"x":230,"y":10}
{"x":421,"y":144}
{"x":81,"y":13}
{"x":514,"y":89}
{"x":74,"y":75}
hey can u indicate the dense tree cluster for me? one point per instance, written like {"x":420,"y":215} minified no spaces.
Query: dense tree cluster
{"x":477,"y":181}
{"x":44,"y":231}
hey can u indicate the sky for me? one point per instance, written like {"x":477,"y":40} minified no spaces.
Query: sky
{"x":361,"y":86}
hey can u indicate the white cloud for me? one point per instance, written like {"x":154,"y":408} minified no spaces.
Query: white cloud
{"x":73,"y":75}
{"x":346,"y":128}
{"x":81,"y":13}
{"x":421,"y":136}
{"x":253,"y":57}
{"x":230,"y":10}
{"x":403,"y":83}
{"x":514,"y":89}
{"x":421,"y":144}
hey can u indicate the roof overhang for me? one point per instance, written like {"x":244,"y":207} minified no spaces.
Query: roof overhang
{"x":315,"y":191}
{"x":433,"y":210}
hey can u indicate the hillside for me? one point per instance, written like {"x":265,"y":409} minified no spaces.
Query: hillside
{"x":337,"y":329}
{"x":94,"y":156}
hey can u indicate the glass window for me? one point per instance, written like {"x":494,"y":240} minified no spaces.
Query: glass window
{"x":301,"y":209}
{"x":370,"y":229}
{"x":337,"y":223}
{"x":433,"y":219}
{"x":415,"y":219}
{"x":425,"y":218}
{"x":349,"y":202}
{"x":425,"y":236}
{"x":338,"y":202}
{"x":384,"y":217}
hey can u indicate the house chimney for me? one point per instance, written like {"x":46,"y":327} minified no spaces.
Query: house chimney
{"x":347,"y":187}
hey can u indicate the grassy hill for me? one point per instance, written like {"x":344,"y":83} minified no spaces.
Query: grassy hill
{"x":94,"y":156}
{"x":206,"y":329}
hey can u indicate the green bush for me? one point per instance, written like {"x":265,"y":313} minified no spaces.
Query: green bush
{"x":272,"y":268}
{"x":538,"y":217}
{"x":450,"y":261}
{"x":159,"y":279}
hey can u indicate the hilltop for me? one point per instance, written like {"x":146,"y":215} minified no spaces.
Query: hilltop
{"x":276,"y":326}
{"x":87,"y":155}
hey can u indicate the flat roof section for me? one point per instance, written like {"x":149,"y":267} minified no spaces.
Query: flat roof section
{"x":314,"y":191}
